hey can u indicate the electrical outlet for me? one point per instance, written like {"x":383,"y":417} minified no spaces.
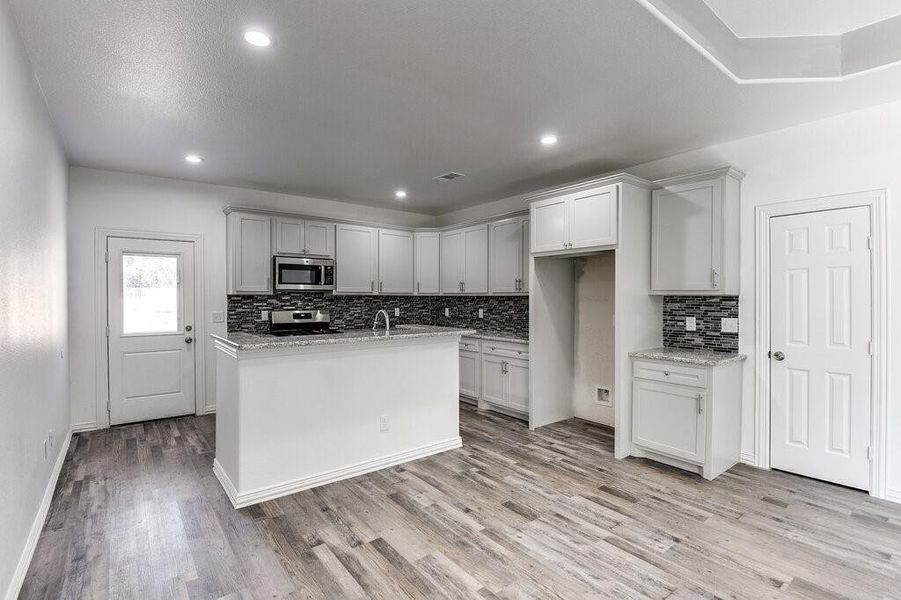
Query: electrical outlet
{"x":384,"y":423}
{"x":264,"y":315}
{"x":396,"y":312}
{"x":218,"y":317}
{"x":481,"y":313}
{"x":446,"y":312}
{"x":729,"y":325}
{"x":691,"y":324}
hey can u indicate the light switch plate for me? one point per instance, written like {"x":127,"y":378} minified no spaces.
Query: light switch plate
{"x":691,"y":324}
{"x":729,"y":325}
{"x":218,"y":317}
{"x":264,"y":315}
{"x":481,"y":313}
{"x":446,"y":312}
{"x":396,"y":312}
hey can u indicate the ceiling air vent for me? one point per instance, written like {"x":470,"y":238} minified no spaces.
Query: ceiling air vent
{"x":449,"y":176}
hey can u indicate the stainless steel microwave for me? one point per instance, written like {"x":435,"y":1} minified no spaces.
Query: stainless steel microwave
{"x":293,"y":273}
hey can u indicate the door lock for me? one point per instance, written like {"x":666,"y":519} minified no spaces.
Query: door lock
{"x":779,"y":356}
{"x":189,"y":340}
{"x":188,"y":328}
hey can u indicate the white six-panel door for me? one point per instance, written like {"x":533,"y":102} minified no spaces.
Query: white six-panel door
{"x":150,"y":286}
{"x":821,"y":315}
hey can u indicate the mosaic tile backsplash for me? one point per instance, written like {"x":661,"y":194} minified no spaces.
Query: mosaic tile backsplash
{"x":708,"y":310}
{"x":509,"y":314}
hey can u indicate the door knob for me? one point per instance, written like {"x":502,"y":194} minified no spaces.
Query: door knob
{"x":189,"y":340}
{"x":188,"y":328}
{"x":779,"y":356}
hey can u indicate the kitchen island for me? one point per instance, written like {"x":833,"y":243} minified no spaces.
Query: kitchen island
{"x":301,"y":411}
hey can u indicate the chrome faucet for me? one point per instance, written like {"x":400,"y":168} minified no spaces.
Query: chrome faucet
{"x":375,"y":323}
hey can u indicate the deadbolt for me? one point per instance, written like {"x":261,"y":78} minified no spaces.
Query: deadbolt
{"x":778,"y":355}
{"x":189,"y":340}
{"x":188,"y":327}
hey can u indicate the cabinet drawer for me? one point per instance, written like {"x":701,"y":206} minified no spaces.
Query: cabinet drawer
{"x":670,"y":373}
{"x":505,"y":349}
{"x":470,"y":345}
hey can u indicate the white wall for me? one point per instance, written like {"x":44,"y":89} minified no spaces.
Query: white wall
{"x":33,"y":353}
{"x":104,"y":199}
{"x":595,"y":300}
{"x":849,"y":153}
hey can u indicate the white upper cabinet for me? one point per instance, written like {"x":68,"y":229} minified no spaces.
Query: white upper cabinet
{"x":395,"y":262}
{"x":300,"y":236}
{"x":319,"y":238}
{"x":475,"y":265}
{"x":695,"y":234}
{"x":507,"y":260}
{"x":249,"y":248}
{"x":427,"y":258}
{"x":289,"y":235}
{"x":356,"y":259}
{"x":582,"y":220}
{"x":451,"y":269}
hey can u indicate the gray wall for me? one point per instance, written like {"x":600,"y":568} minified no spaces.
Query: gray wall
{"x":33,"y":352}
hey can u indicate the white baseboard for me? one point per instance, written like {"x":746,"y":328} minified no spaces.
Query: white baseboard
{"x":893,"y":495}
{"x":749,"y":458}
{"x":239,"y":500}
{"x":80,"y":427}
{"x":209,"y":410}
{"x":37,"y":525}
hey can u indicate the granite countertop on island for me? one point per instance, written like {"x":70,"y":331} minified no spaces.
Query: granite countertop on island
{"x":705,"y":358}
{"x":498,"y":336}
{"x":240,"y":340}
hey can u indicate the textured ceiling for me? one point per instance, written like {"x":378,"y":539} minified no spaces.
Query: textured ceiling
{"x":779,"y":18}
{"x":355,"y":99}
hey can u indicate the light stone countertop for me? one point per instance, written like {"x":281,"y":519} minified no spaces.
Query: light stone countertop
{"x":498,"y":336}
{"x":240,"y":340}
{"x":704,"y":358}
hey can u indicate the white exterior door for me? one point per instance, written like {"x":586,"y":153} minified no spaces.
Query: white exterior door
{"x":821,"y":323}
{"x":395,"y":262}
{"x":150,"y":287}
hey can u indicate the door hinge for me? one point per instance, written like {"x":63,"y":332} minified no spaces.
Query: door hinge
{"x":106,"y":256}
{"x":869,"y":242}
{"x":107,"y":406}
{"x":869,"y":454}
{"x":107,"y":331}
{"x":870,"y":347}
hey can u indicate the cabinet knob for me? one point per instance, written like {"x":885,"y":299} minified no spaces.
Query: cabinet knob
{"x":666,"y":373}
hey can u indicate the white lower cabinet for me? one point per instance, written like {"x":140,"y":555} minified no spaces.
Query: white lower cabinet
{"x":495,"y":374}
{"x":470,"y":370}
{"x":687,"y":416}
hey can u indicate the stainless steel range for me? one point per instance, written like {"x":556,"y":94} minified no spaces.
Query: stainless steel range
{"x":300,"y":322}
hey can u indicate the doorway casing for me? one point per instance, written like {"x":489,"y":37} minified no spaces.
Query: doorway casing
{"x":876,"y":201}
{"x":101,"y":348}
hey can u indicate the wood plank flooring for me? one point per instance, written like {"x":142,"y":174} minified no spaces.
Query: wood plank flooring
{"x":138,"y":513}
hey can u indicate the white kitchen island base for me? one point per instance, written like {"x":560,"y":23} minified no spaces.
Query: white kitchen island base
{"x":292,"y":417}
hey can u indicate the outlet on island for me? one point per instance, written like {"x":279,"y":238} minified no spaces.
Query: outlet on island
{"x":384,"y":423}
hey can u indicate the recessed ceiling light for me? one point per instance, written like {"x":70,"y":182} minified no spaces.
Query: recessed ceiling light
{"x":400,"y":194}
{"x":194,"y":159}
{"x":257,"y":38}
{"x":548,"y":139}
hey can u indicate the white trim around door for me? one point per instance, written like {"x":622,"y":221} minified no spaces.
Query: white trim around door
{"x":876,"y":201}
{"x":101,"y":349}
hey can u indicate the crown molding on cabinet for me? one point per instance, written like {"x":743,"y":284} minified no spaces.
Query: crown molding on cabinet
{"x":588,"y":184}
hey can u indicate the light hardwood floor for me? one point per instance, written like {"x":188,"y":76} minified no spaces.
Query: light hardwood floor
{"x":513,"y":514}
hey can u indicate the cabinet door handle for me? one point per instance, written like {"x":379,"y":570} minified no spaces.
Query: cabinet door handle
{"x":381,"y":284}
{"x":462,"y":286}
{"x":417,"y":287}
{"x":715,"y":278}
{"x":371,"y":286}
{"x":700,"y":400}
